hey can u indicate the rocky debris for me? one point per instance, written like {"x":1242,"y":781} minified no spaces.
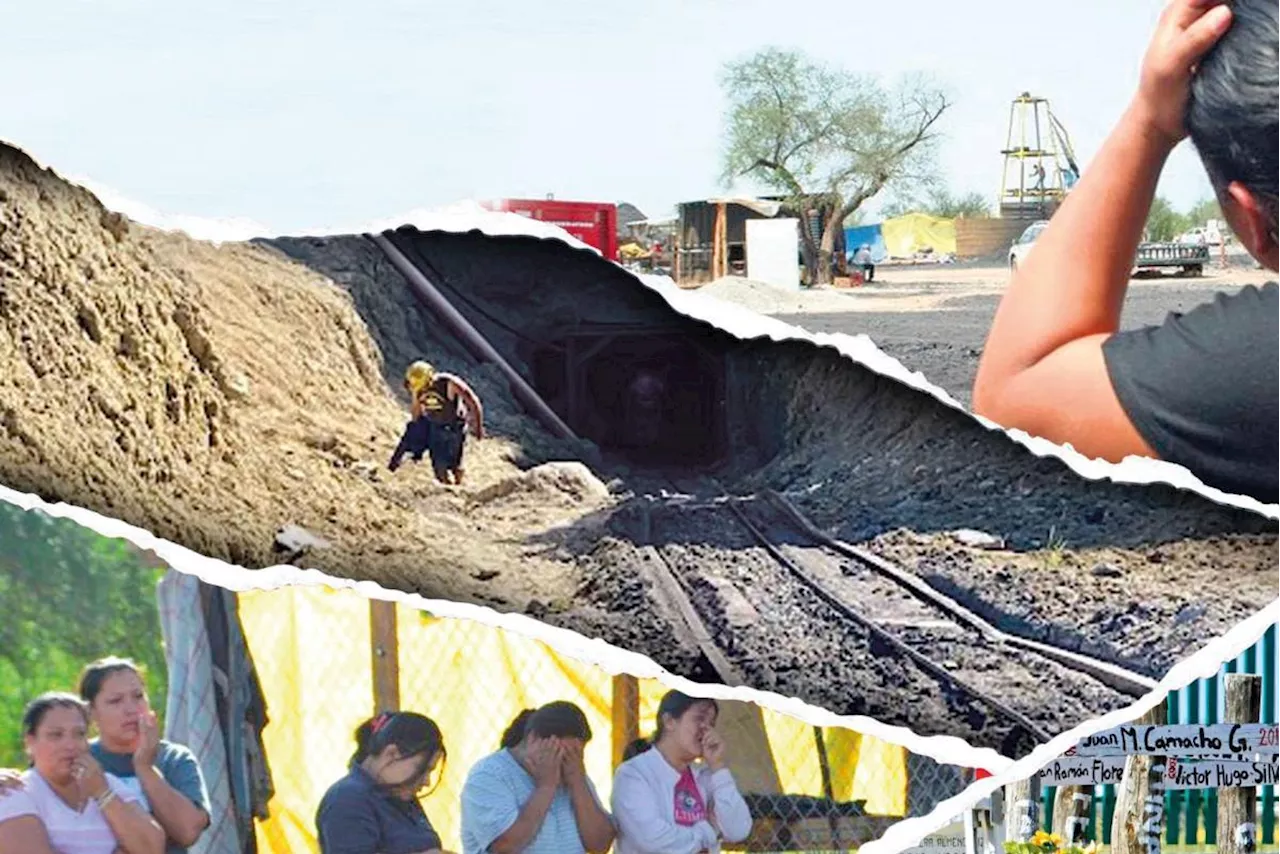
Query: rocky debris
{"x":565,"y":478}
{"x":1106,"y":570}
{"x":977,"y":539}
{"x":294,"y":541}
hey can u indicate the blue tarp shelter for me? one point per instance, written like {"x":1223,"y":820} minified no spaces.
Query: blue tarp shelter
{"x":869,"y":234}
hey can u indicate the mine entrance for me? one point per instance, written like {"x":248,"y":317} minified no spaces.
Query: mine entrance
{"x":653,"y":395}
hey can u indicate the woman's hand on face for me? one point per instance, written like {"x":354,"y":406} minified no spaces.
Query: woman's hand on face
{"x":713,"y":749}
{"x":89,"y":776}
{"x":573,"y":768}
{"x":148,"y":741}
{"x":545,"y":761}
{"x":10,"y":781}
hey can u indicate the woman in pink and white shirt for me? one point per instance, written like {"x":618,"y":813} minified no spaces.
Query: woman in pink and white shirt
{"x":666,"y":801}
{"x":66,"y":804}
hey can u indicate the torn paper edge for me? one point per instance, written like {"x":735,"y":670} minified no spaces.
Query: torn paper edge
{"x":612,"y":659}
{"x":742,"y":323}
{"x":1202,"y":664}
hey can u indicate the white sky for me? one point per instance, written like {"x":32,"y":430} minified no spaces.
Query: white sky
{"x":300,"y":115}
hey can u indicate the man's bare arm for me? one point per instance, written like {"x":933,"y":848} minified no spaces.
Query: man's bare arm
{"x":1042,"y":370}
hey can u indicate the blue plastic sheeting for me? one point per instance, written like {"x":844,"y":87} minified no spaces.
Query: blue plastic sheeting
{"x":854,"y":238}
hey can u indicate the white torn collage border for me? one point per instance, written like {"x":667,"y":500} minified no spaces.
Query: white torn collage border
{"x":743,"y":324}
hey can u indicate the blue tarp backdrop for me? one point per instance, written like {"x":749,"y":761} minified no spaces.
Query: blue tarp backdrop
{"x":868,"y":234}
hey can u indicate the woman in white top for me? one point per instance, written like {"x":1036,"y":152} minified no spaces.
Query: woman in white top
{"x":666,"y":801}
{"x":66,"y":804}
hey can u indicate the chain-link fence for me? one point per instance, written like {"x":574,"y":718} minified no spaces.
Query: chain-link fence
{"x":268,"y":688}
{"x":328,"y":660}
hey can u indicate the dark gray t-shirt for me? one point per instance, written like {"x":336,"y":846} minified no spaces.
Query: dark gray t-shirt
{"x":176,"y":764}
{"x":1201,"y":389}
{"x":357,"y":817}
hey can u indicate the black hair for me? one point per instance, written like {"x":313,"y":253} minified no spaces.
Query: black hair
{"x":36,"y":710}
{"x":95,"y":675}
{"x":1232,"y":109}
{"x":559,"y":719}
{"x":635,"y":748}
{"x":674,"y":704}
{"x":411,"y":733}
{"x":514,"y":733}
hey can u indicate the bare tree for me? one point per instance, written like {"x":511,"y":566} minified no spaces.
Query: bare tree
{"x":826,"y":138}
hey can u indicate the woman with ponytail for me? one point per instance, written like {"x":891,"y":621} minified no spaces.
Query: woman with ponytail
{"x":374,"y":809}
{"x":675,"y":793}
{"x":533,"y":796}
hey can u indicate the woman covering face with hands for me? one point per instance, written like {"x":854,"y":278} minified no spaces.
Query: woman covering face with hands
{"x":533,"y":796}
{"x":163,"y":778}
{"x":65,"y":803}
{"x":676,"y":795}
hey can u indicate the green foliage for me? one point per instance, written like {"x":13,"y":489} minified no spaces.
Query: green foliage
{"x":1204,"y":210}
{"x":805,"y":130}
{"x":69,"y":596}
{"x":1164,"y":223}
{"x":937,"y":200}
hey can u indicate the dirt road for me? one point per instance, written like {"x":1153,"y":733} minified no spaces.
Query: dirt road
{"x":939,"y":327}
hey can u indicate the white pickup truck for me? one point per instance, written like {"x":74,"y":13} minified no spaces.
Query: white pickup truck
{"x":1190,"y":258}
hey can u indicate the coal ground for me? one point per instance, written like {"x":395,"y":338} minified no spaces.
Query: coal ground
{"x":869,"y":459}
{"x":213,"y":394}
{"x":945,"y":345}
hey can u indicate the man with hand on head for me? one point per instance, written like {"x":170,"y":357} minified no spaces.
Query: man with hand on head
{"x":533,"y":796}
{"x":1200,"y":390}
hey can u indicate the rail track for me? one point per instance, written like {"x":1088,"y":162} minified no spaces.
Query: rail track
{"x":1012,"y":692}
{"x":792,"y":599}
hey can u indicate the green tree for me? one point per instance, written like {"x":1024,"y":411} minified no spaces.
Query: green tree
{"x":1204,"y":210}
{"x":810,"y":131}
{"x":70,"y":595}
{"x":938,"y":201}
{"x":1163,"y":222}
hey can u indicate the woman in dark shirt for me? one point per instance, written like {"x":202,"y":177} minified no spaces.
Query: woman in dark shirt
{"x":374,"y":809}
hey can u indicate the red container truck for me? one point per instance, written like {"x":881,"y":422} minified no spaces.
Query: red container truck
{"x":594,"y":223}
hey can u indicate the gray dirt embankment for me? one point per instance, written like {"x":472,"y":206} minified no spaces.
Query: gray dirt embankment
{"x":213,"y":394}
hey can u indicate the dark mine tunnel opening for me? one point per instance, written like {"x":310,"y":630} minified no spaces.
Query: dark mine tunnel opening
{"x":651,"y":396}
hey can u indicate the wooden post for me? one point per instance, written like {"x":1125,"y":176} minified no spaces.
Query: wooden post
{"x":1022,"y":809}
{"x":1139,"y":814}
{"x":719,"y":251}
{"x":1071,"y":805}
{"x":386,"y":656}
{"x":625,"y":714}
{"x":1237,"y":807}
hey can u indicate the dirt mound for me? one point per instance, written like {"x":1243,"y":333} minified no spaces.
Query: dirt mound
{"x":215,"y":394}
{"x":766,"y":299}
{"x":550,"y":482}
{"x":219,"y":395}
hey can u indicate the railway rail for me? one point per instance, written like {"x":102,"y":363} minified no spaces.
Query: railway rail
{"x":994,"y":680}
{"x":901,"y":615}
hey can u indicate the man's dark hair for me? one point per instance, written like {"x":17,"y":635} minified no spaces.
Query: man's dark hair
{"x":1232,"y":112}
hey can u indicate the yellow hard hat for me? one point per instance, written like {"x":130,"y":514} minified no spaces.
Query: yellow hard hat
{"x":419,"y":375}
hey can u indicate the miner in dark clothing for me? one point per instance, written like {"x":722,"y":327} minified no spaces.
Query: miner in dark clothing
{"x":1200,"y":390}
{"x":444,"y":407}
